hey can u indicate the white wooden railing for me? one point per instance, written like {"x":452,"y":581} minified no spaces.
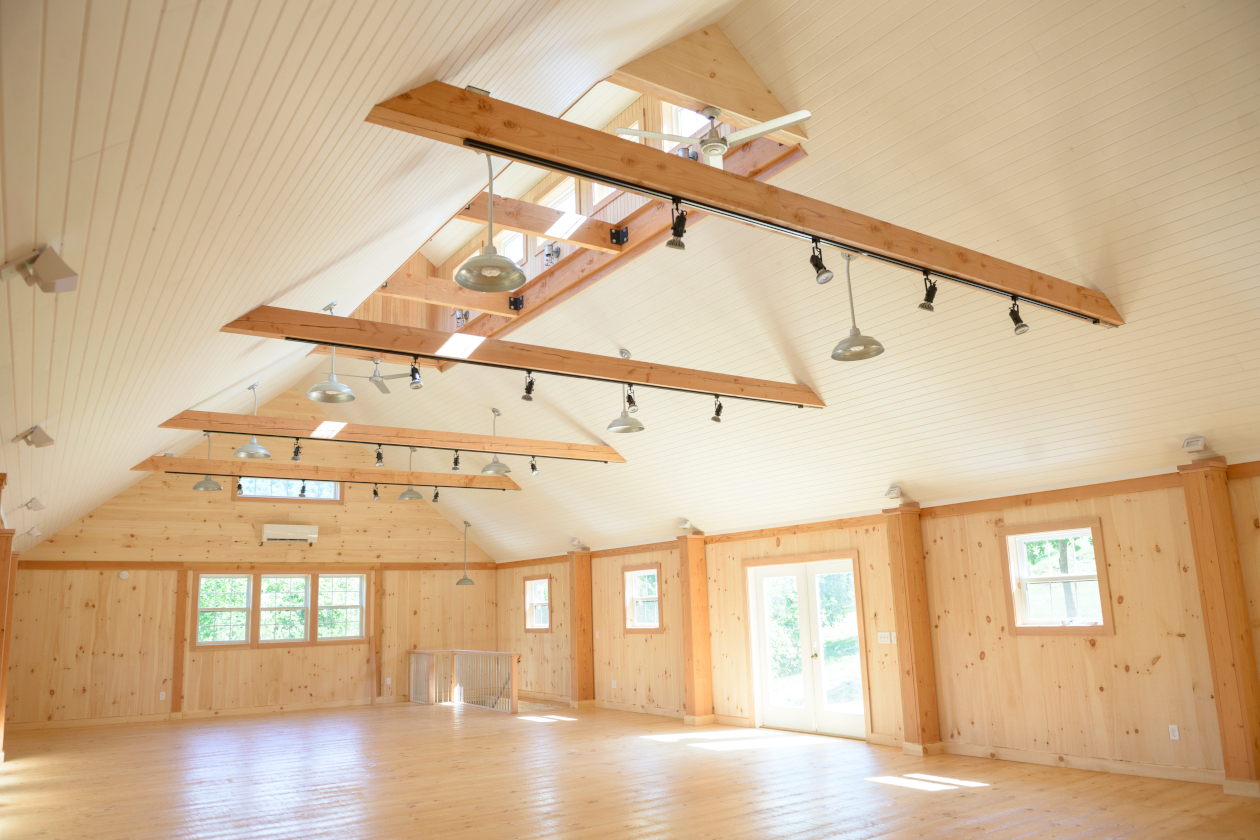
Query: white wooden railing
{"x":468,"y":677}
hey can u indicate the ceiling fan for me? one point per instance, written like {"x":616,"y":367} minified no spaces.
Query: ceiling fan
{"x":714,"y":146}
{"x":378,"y":380}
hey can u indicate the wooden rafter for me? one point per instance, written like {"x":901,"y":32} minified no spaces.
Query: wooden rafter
{"x":445,"y":293}
{"x":292,"y":427}
{"x":460,"y":117}
{"x":536,"y":220}
{"x":318,"y":328}
{"x":316,"y":472}
{"x":703,"y":69}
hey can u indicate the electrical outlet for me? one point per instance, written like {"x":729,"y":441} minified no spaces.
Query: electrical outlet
{"x":894,"y":637}
{"x":162,"y":696}
{"x":614,"y":682}
{"x":389,"y":680}
{"x":1174,"y":733}
{"x":885,"y":638}
{"x":597,"y":634}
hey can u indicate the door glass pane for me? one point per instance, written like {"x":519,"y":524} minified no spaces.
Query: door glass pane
{"x":783,"y":642}
{"x":838,"y":640}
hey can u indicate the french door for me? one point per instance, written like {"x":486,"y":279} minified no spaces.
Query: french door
{"x":809,"y":666}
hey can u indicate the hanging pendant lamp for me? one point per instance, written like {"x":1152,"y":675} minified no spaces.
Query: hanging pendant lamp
{"x":495,"y":467}
{"x":625,"y":424}
{"x":490,"y":271}
{"x":330,"y":390}
{"x":410,"y":494}
{"x":465,"y":580}
{"x":857,"y":346}
{"x":207,"y":483}
{"x":253,"y":449}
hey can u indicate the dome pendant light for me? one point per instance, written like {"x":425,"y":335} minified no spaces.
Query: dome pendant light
{"x":625,"y":424}
{"x":495,"y":467}
{"x":253,"y":449}
{"x":857,"y":346}
{"x":330,"y":390}
{"x":465,"y":580}
{"x":490,"y":271}
{"x":410,"y":494}
{"x":207,"y":483}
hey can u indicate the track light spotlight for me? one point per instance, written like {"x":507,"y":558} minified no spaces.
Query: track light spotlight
{"x":415,"y":384}
{"x":678,"y":229}
{"x":717,"y":410}
{"x":1020,"y":326}
{"x":533,"y":466}
{"x":625,"y":424}
{"x":297,"y":451}
{"x":821,"y":273}
{"x":631,"y":405}
{"x":455,"y":466}
{"x":376,"y":494}
{"x":380,"y":456}
{"x":239,"y":488}
{"x":302,"y":492}
{"x":528,"y":396}
{"x":435,"y":495}
{"x":929,"y":293}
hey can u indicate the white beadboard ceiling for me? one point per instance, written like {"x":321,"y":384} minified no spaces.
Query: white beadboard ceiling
{"x":195,"y":160}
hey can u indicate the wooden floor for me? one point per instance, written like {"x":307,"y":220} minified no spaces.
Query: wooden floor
{"x":414,"y":771}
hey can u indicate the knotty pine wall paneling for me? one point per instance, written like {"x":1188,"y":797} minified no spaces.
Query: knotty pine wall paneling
{"x":544,"y":671}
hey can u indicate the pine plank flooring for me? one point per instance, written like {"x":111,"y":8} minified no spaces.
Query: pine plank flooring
{"x":403,"y":770}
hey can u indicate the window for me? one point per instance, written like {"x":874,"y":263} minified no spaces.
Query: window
{"x":1056,"y":578}
{"x":683,"y":122}
{"x":283,"y":605}
{"x":341,"y":600}
{"x":266,"y":610}
{"x":599,"y":192}
{"x":538,"y":604}
{"x":287,"y":488}
{"x":643,"y":598}
{"x":223,"y":603}
{"x":563,"y":197}
{"x":512,"y":245}
{"x":632,"y":138}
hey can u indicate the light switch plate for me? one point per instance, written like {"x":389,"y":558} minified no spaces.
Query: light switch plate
{"x":614,"y":682}
{"x":389,"y":680}
{"x":162,"y":695}
{"x":885,"y":638}
{"x":1174,"y":733}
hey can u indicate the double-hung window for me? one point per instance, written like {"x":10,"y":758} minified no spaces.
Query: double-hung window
{"x":538,"y":604}
{"x":1056,"y":578}
{"x":643,"y":598}
{"x":223,"y":609}
{"x":268,"y":610}
{"x":284,"y":601}
{"x":341,"y":602}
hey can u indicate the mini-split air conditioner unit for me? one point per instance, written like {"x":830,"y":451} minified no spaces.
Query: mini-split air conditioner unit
{"x":290,"y":534}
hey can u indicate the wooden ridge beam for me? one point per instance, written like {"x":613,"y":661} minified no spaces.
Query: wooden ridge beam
{"x":318,"y":328}
{"x":460,"y":117}
{"x":536,"y":220}
{"x":242,"y":467}
{"x":649,"y":226}
{"x":291,"y":427}
{"x":703,"y":69}
{"x":445,"y":293}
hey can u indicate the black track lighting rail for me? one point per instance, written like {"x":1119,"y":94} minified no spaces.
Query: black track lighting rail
{"x":339,"y":481}
{"x":545,"y":163}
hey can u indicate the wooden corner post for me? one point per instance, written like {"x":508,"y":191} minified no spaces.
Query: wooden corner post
{"x":697,"y":661}
{"x":581,"y":631}
{"x":8,"y":583}
{"x":1224,"y":603}
{"x":921,"y":724}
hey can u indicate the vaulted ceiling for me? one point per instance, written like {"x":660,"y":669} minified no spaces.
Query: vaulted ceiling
{"x":196,"y":160}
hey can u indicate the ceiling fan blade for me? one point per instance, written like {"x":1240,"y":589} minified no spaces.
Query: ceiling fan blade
{"x":744,"y":135}
{"x":395,"y":376}
{"x":380,"y":385}
{"x":654,"y":135}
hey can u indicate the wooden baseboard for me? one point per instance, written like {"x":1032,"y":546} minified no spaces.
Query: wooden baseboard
{"x":883,"y":740}
{"x":542,"y":697}
{"x":1105,"y":765}
{"x":28,"y":726}
{"x":909,"y":748}
{"x":195,"y":714}
{"x":699,"y":720}
{"x":731,"y":720}
{"x":1234,"y":787}
{"x":583,"y":704}
{"x":643,"y":710}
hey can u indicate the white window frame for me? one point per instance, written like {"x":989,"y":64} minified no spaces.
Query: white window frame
{"x":336,"y":499}
{"x":504,"y":236}
{"x":305,"y":608}
{"x":1016,"y":580}
{"x":361,"y":606}
{"x":530,"y":604}
{"x":628,"y":574}
{"x":248,"y":609}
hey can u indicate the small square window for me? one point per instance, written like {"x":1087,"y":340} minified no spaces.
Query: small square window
{"x":643,"y":598}
{"x":511,"y":245}
{"x":538,"y":603}
{"x":1056,"y":578}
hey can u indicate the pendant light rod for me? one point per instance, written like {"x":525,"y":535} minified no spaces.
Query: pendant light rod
{"x":848,"y":279}
{"x":578,"y":172}
{"x":490,"y":207}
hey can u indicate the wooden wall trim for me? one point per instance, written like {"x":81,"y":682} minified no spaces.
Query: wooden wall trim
{"x":8,"y":587}
{"x":636,"y":549}
{"x":697,"y":658}
{"x":541,"y":561}
{"x":181,"y":641}
{"x":1247,"y":469}
{"x":921,"y":725}
{"x":1165,"y":481}
{"x":789,"y":530}
{"x":785,"y":559}
{"x":146,"y":566}
{"x":582,"y":629}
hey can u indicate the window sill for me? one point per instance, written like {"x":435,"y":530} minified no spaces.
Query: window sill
{"x":645,"y":629}
{"x":537,"y":629}
{"x":1063,"y":630}
{"x":278,"y":645}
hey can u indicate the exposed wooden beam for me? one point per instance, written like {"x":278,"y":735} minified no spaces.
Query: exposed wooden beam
{"x":318,"y":328}
{"x":293,"y":427}
{"x":371,"y":355}
{"x":453,"y":115}
{"x":445,"y":293}
{"x":703,"y":69}
{"x":649,"y":226}
{"x":536,"y":220}
{"x":317,"y":472}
